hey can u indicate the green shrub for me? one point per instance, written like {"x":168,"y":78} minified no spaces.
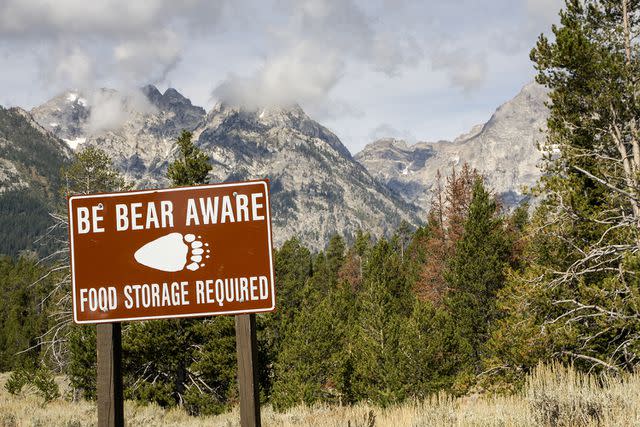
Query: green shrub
{"x":40,"y":381}
{"x":16,"y":382}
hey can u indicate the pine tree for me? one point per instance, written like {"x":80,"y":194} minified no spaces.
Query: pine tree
{"x":351,"y":272}
{"x":475,"y":274}
{"x":450,"y":205}
{"x":427,"y":345}
{"x":192,"y":166}
{"x":23,"y":316}
{"x":308,"y":364}
{"x":384,"y":301}
{"x":82,"y":363}
{"x":92,"y":172}
{"x":335,"y":258}
{"x":293,"y":268}
{"x":311,"y":365}
{"x":576,"y":300}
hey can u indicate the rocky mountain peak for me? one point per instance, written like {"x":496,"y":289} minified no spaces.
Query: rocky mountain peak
{"x":173,"y":96}
{"x":523,"y":109}
{"x":171,"y":100}
{"x":108,"y":113}
{"x":274,"y":119}
{"x":504,"y":149}
{"x":390,"y":143}
{"x":64,"y":116}
{"x":290,"y":116}
{"x":152,"y":93}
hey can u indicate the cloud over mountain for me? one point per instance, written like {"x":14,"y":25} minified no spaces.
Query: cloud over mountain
{"x":431,"y":67}
{"x":87,"y":42}
{"x":312,"y":50}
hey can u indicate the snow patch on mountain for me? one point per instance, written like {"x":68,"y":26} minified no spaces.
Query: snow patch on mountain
{"x":73,"y":143}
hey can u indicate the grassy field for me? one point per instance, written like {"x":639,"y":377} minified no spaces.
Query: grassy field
{"x":553,"y":396}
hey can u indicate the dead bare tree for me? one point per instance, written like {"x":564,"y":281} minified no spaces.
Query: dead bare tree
{"x":91,"y":171}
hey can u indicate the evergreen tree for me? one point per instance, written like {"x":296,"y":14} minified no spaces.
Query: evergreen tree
{"x":351,"y":272}
{"x":182,"y":362}
{"x":293,"y":268}
{"x":82,"y":363}
{"x":308,"y":364}
{"x":192,"y":166}
{"x":427,"y":345}
{"x":576,"y":300}
{"x":384,"y":301}
{"x":450,"y":205}
{"x":23,"y":316}
{"x":335,"y":257}
{"x":475,"y":274}
{"x":403,"y":236}
{"x":92,"y":172}
{"x":313,"y":361}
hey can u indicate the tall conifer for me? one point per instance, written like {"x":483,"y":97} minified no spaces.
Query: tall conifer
{"x":475,"y":274}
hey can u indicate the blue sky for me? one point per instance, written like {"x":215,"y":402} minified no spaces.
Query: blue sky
{"x":419,"y":70}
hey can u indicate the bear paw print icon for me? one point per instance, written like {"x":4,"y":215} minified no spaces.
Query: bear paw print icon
{"x":174,"y":252}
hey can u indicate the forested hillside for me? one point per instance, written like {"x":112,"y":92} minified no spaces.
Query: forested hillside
{"x":30,"y":163}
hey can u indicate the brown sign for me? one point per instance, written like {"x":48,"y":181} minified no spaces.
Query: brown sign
{"x":181,"y":252}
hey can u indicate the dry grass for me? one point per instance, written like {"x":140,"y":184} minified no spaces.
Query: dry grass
{"x":553,"y":396}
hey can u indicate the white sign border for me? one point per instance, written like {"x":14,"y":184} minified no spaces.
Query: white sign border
{"x":165,"y":190}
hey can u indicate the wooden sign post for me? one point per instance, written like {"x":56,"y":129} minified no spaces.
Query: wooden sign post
{"x":109,"y":381}
{"x":247,"y":348}
{"x":166,"y":254}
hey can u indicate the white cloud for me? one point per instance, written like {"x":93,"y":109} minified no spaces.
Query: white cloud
{"x":391,"y":53}
{"x":129,"y":42}
{"x":110,"y":109}
{"x":74,"y":68}
{"x":37,"y":17}
{"x":297,"y":75}
{"x":149,"y":58}
{"x":311,"y":51}
{"x":464,"y":70}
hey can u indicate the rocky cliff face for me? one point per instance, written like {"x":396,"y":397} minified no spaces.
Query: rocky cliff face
{"x":137,"y":130}
{"x":318,"y":189}
{"x":504,"y":149}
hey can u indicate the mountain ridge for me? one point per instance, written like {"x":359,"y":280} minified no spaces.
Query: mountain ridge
{"x":504,"y":149}
{"x":318,"y":189}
